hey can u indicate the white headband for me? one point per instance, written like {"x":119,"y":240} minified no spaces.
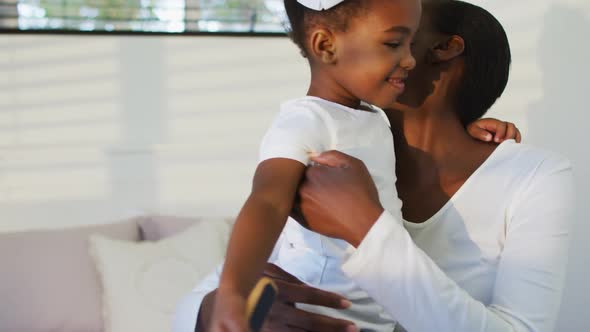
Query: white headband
{"x":319,"y":4}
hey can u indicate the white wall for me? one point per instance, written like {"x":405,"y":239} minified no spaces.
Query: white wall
{"x":98,"y":128}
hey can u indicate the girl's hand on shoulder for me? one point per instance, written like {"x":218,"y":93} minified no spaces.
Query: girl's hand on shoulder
{"x":494,"y":130}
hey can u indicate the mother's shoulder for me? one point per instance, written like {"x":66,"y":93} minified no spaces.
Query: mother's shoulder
{"x":530,"y":159}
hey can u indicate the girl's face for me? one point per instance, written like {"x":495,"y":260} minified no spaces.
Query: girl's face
{"x":373,"y":54}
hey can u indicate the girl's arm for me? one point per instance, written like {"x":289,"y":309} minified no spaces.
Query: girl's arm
{"x":254,"y":235}
{"x":260,"y":223}
{"x":299,"y":130}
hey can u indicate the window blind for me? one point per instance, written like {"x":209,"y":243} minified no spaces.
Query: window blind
{"x":147,"y":16}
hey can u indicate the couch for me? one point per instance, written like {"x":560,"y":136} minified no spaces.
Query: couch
{"x":122,"y":276}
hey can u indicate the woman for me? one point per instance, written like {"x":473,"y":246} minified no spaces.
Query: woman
{"x":487,"y":251}
{"x":484,"y":242}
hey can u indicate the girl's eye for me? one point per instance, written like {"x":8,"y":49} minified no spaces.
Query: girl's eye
{"x":393,"y":45}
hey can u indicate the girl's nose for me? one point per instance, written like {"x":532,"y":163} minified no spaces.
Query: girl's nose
{"x":408,"y":62}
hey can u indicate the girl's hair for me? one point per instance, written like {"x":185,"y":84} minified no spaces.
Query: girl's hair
{"x":302,"y":19}
{"x":487,"y":54}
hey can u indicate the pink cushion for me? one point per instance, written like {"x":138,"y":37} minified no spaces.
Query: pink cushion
{"x":48,"y":281}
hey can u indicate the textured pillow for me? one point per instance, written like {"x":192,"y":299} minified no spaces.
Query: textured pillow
{"x":48,"y":281}
{"x":144,"y":281}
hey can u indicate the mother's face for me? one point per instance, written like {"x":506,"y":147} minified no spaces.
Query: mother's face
{"x":420,"y":82}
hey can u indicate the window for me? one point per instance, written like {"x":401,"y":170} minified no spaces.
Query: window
{"x":155,"y":16}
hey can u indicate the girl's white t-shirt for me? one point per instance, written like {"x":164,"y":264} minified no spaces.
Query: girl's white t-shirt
{"x":311,"y":125}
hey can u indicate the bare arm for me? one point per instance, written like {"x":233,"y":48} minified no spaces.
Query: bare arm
{"x":260,"y":222}
{"x":255,"y":233}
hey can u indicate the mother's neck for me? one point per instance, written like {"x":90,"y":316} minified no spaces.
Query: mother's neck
{"x":433,"y":149}
{"x":432,"y":128}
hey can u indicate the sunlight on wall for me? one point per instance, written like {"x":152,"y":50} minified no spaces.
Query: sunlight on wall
{"x":52,"y":174}
{"x":219,"y":105}
{"x":58,"y":103}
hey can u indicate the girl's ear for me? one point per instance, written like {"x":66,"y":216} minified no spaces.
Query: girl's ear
{"x":323,"y":46}
{"x":448,"y":49}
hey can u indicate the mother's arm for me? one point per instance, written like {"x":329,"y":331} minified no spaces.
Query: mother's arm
{"x":412,"y":288}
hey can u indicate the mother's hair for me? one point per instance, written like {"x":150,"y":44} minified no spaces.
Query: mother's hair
{"x":487,"y":54}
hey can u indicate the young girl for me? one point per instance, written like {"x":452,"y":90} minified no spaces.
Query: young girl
{"x":359,"y":52}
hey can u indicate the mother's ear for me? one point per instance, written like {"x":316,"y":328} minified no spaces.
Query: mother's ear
{"x":448,"y":49}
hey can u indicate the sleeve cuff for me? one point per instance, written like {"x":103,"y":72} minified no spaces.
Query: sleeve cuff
{"x":286,"y":153}
{"x":372,"y":244}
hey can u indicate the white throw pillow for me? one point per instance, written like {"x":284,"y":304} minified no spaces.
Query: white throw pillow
{"x":144,"y":281}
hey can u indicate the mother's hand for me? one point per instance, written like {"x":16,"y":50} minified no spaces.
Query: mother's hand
{"x":338,"y":197}
{"x":284,"y":316}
